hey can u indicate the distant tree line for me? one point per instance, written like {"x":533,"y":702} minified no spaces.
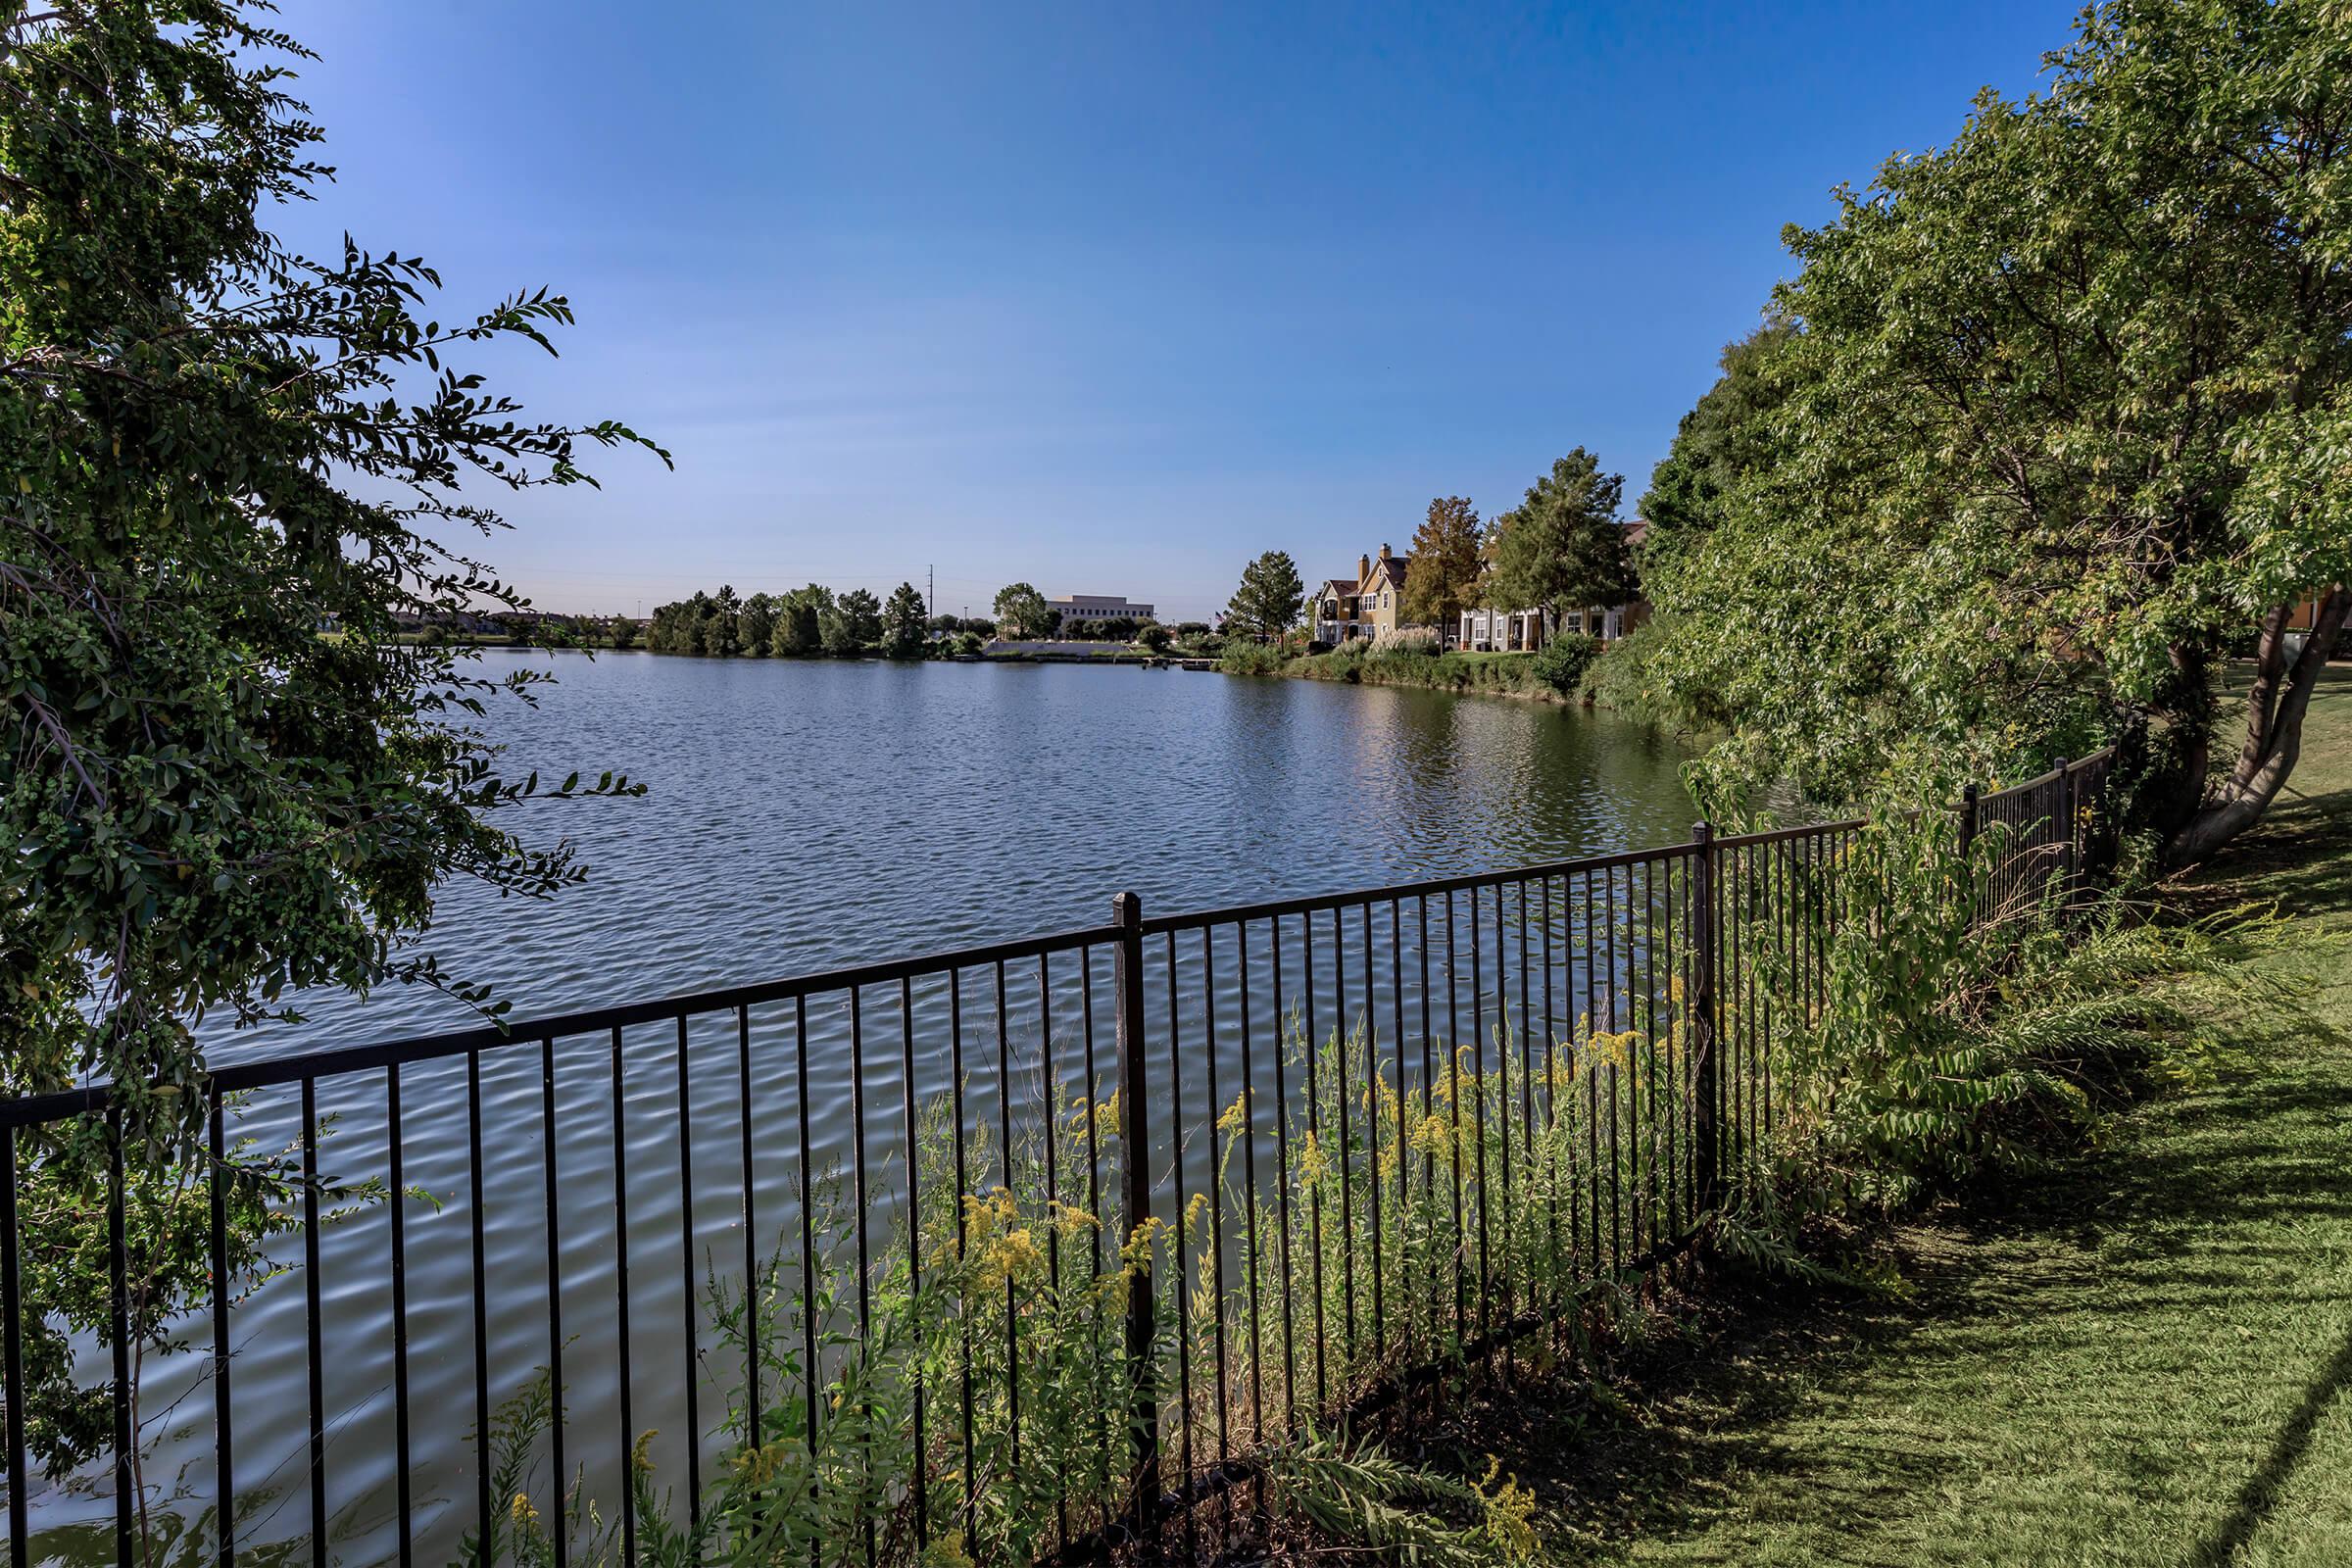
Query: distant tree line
{"x":807,"y":623}
{"x":815,"y":622}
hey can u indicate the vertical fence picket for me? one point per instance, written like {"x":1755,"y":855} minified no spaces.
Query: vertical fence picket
{"x":1136,"y":1134}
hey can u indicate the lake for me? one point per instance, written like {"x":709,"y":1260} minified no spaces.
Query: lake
{"x":798,"y":816}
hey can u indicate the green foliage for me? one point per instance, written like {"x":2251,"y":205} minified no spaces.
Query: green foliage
{"x":1022,"y":613}
{"x":1021,"y":1299}
{"x":1562,"y":549}
{"x":1448,"y":563}
{"x":1642,"y":676}
{"x":1243,"y":656}
{"x":1406,"y":660}
{"x":906,"y":631}
{"x":1948,"y":1046}
{"x":623,"y":632}
{"x":214,"y":446}
{"x":1373,"y":1502}
{"x":970,"y":643}
{"x":1725,"y":439}
{"x":1269,"y":599}
{"x":1153,"y":636}
{"x":2060,"y":412}
{"x":801,"y":622}
{"x":1561,"y":662}
{"x":208,"y":803}
{"x":853,"y":624}
{"x":755,"y":625}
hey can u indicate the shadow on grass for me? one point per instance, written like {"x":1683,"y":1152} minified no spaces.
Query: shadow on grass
{"x":1831,"y":1426}
{"x":2268,"y":1483}
{"x":1723,"y":1425}
{"x":2287,"y":860}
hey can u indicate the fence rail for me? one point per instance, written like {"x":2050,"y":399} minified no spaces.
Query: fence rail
{"x":1089,"y":1218}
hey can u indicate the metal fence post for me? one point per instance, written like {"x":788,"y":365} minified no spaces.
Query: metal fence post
{"x":1707,"y":1091}
{"x":2066,"y":833}
{"x":1135,"y":1132}
{"x":1967,"y":843}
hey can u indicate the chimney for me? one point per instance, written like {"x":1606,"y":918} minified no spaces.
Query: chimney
{"x":1384,"y":552}
{"x":1363,"y":568}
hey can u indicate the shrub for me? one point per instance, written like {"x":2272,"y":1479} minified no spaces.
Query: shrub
{"x":1561,"y":662}
{"x":1411,"y":640}
{"x":1637,"y":676}
{"x":1951,"y":1044}
{"x":1244,"y":657}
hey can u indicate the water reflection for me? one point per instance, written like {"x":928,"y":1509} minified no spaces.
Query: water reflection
{"x":803,"y":815}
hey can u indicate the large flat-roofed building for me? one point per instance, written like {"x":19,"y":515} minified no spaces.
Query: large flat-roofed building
{"x":1098,"y":606}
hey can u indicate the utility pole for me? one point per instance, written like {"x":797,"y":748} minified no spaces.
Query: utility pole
{"x":931,"y":591}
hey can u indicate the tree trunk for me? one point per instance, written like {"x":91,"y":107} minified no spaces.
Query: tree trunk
{"x":2274,"y":710}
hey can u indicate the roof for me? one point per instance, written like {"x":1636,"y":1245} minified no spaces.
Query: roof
{"x":1336,"y":585}
{"x":1391,"y":568}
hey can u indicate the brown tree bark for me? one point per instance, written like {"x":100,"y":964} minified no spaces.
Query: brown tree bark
{"x":2274,"y":738}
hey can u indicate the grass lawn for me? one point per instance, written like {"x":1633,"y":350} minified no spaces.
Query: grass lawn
{"x":2144,"y":1357}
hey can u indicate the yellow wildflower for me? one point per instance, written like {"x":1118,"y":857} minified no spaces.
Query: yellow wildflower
{"x":1313,"y":1163}
{"x":1433,"y":1134}
{"x":1236,"y":1114}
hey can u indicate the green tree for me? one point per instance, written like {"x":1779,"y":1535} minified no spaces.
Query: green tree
{"x":1449,"y":561}
{"x":212,"y":443}
{"x":1153,"y":636}
{"x":1726,"y":437}
{"x":854,"y":624}
{"x":904,"y":626}
{"x":623,"y":632}
{"x":721,"y":636}
{"x":799,"y":623}
{"x":1022,"y":611}
{"x":755,"y":624}
{"x":1269,"y":599}
{"x":2071,"y":404}
{"x":1563,"y":548}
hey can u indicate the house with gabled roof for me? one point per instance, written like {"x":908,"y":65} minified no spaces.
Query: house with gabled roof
{"x":1371,"y":606}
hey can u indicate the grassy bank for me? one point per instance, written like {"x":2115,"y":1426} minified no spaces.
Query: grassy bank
{"x":2141,"y":1355}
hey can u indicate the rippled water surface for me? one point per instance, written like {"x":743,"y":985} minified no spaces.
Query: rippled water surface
{"x":804,"y":814}
{"x":798,"y":816}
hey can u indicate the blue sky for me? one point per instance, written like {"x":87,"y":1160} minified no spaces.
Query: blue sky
{"x":1105,"y":297}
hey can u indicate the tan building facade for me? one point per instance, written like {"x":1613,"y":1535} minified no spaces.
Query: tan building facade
{"x":1371,"y":606}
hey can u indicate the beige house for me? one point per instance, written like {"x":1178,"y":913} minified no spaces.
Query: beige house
{"x":1371,"y":606}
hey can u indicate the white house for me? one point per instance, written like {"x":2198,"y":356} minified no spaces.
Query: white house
{"x":1514,"y":631}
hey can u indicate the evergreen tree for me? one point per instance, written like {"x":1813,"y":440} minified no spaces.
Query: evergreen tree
{"x":800,"y":623}
{"x":855,"y":623}
{"x":1269,"y":599}
{"x":904,"y":631}
{"x":755,"y":624}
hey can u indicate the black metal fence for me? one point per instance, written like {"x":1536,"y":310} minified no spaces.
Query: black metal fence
{"x":1030,"y":1243}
